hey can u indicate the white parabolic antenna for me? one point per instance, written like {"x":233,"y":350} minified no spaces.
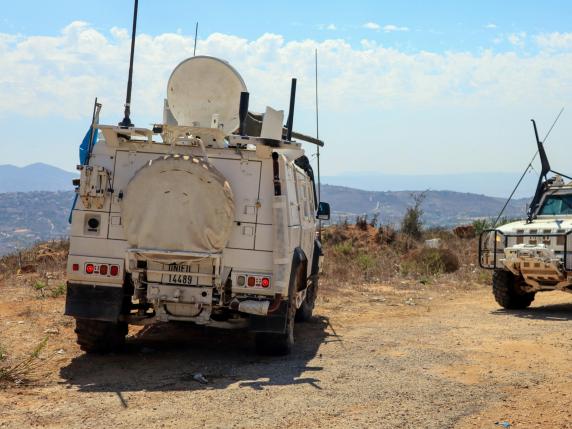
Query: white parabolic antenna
{"x":200,"y":88}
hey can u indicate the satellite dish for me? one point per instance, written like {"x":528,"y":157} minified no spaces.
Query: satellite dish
{"x":205,"y":92}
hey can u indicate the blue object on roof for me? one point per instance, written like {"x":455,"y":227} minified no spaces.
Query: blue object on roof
{"x":84,"y":147}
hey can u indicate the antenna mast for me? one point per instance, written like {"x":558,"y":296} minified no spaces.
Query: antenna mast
{"x":318,"y":146}
{"x":126,"y":122}
{"x":317,"y":128}
{"x":529,"y":166}
{"x":196,"y":33}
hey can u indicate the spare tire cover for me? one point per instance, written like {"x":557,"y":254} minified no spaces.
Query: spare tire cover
{"x":178,"y":203}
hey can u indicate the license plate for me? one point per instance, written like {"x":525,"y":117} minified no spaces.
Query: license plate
{"x":178,"y":274}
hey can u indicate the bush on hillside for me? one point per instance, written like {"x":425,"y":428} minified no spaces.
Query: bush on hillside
{"x":412,"y":223}
{"x":386,"y":235}
{"x":361,"y":222}
{"x":428,"y":261}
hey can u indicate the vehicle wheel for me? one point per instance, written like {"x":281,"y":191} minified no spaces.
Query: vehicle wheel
{"x":95,"y":336}
{"x":507,"y":292}
{"x":304,"y":313}
{"x":274,"y":344}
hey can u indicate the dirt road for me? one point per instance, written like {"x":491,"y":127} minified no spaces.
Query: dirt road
{"x":407,"y":356}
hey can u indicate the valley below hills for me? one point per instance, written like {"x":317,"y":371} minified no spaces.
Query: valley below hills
{"x":29,"y":217}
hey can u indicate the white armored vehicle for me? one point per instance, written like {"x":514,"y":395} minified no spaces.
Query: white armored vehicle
{"x":209,"y":218}
{"x":533,"y":255}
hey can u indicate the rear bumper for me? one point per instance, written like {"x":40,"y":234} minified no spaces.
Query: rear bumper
{"x":94,"y":302}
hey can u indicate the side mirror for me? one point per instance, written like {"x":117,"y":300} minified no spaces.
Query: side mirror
{"x":323,"y":211}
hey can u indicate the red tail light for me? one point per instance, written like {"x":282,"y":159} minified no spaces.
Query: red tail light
{"x":89,"y":268}
{"x":75,"y":267}
{"x":265,"y":282}
{"x":114,"y":270}
{"x":251,"y":281}
{"x":103,"y":270}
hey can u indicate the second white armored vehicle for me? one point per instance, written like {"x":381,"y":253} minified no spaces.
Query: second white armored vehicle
{"x":209,"y":217}
{"x":533,"y":255}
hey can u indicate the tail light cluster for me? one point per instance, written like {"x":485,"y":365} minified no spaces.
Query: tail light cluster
{"x":98,"y":269}
{"x":253,"y":280}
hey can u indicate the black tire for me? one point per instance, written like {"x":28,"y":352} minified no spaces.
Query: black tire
{"x":304,"y":313}
{"x":508,"y":293}
{"x":95,"y":336}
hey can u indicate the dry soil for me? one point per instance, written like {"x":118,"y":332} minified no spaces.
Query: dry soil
{"x":385,"y":356}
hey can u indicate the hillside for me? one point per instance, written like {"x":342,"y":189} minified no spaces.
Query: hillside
{"x":34,"y":177}
{"x":26,"y":217}
{"x":442,"y":208}
{"x":495,"y":184}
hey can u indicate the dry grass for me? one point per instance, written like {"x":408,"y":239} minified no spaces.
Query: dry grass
{"x":41,"y":267}
{"x":43,"y":257}
{"x":366,"y":254}
{"x":22,"y":370}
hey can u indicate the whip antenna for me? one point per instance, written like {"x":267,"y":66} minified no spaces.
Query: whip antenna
{"x":317,"y":128}
{"x":528,"y":167}
{"x":196,"y":33}
{"x":318,"y":146}
{"x":126,"y":122}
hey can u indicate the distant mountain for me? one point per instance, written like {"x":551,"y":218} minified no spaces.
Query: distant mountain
{"x":28,"y":217}
{"x":35,"y":177}
{"x":441,"y":208}
{"x":43,"y":177}
{"x":498,"y":184}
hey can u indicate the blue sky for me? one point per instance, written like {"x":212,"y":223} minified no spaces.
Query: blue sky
{"x":449,"y":24}
{"x":406,"y":87}
{"x":434,"y":25}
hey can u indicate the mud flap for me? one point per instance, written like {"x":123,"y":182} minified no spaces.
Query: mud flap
{"x":274,"y":322}
{"x":94,"y":302}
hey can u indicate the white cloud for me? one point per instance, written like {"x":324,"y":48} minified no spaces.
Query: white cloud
{"x":554,"y":41}
{"x":364,"y":88}
{"x":389,"y":28}
{"x":331,"y":27}
{"x":60,"y":75}
{"x":371,"y":26}
{"x":491,"y":25}
{"x":517,"y":39}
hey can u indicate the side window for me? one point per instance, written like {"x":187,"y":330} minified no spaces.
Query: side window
{"x":303,"y":196}
{"x":311,"y":199}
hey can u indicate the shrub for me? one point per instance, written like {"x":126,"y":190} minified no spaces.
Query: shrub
{"x":334,"y":235}
{"x":361,"y":222}
{"x":481,"y":224}
{"x":385,"y":235}
{"x":18,"y":372}
{"x":412,"y":223}
{"x":58,"y":291}
{"x":365,"y":263}
{"x":374,"y":219}
{"x":344,"y":248}
{"x":426,"y":261}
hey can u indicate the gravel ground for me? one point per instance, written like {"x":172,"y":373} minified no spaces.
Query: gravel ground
{"x":386,"y":356}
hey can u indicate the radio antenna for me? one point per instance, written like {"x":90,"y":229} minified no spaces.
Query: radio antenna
{"x":126,"y":122}
{"x":318,"y":138}
{"x":317,"y":125}
{"x":196,"y":34}
{"x":528,"y":167}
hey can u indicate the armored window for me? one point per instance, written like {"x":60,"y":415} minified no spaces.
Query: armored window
{"x":557,"y":205}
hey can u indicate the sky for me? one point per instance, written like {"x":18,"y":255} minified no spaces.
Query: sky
{"x":440,"y":87}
